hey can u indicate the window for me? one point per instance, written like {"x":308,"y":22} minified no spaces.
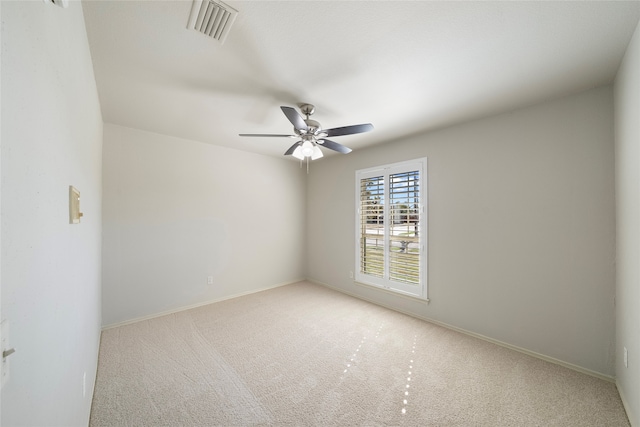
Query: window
{"x":391,"y":227}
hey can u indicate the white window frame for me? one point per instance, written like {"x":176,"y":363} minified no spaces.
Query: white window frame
{"x":419,"y":291}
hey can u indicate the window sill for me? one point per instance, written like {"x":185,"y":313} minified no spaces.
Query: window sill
{"x":392,"y":292}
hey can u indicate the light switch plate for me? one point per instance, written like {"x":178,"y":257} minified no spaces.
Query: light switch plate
{"x":74,"y":205}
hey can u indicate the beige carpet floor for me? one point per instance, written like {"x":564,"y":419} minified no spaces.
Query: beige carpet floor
{"x":304,"y":355}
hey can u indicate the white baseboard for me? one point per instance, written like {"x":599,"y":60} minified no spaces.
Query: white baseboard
{"x":476,"y":335}
{"x":200,"y":304}
{"x":625,"y":403}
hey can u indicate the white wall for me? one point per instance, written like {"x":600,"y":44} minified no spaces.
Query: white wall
{"x":176,"y":211}
{"x":627,"y":131}
{"x":1,"y":317}
{"x":521,"y":227}
{"x":51,"y":138}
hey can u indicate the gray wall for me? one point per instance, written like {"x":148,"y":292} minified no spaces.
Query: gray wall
{"x":51,"y":138}
{"x":177,"y":211}
{"x":521,"y":227}
{"x":627,"y":129}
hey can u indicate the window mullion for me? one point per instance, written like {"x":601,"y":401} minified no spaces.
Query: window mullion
{"x":387,"y":228}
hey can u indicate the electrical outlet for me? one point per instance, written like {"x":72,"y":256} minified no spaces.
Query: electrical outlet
{"x":209,"y":280}
{"x":624,"y":355}
{"x":351,"y":275}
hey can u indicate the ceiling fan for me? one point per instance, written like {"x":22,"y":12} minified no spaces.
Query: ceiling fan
{"x":311,"y":134}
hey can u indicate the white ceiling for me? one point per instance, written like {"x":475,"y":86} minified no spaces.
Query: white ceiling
{"x":405,"y":66}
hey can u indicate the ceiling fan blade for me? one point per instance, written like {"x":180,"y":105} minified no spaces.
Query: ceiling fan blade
{"x":292,"y":149}
{"x":349,"y":130}
{"x":268,"y":134}
{"x":334,"y":146}
{"x":296,"y":119}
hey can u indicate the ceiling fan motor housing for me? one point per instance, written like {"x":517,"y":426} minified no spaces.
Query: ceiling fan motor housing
{"x":313,"y":128}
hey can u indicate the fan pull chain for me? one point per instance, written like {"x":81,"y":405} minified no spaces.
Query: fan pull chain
{"x":301,"y":161}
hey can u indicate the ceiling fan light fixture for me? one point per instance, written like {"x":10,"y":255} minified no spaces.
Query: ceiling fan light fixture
{"x":317,"y":153}
{"x":297,"y":153}
{"x":307,"y":149}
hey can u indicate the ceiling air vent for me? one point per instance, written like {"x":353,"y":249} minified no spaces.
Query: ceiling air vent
{"x":212,"y":18}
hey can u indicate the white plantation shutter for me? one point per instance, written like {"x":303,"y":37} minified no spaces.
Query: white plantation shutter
{"x":391,"y":224}
{"x":404,"y":233}
{"x":371,"y":219}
